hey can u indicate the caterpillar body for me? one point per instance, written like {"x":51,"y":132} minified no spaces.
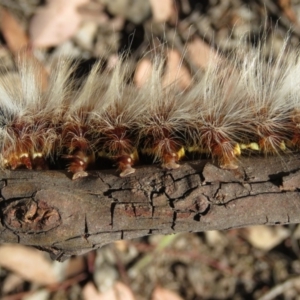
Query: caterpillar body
{"x":242,"y":103}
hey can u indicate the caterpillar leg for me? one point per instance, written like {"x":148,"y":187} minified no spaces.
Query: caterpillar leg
{"x":79,"y":161}
{"x":167,"y":151}
{"x":170,"y":159}
{"x":118,"y":145}
{"x":39,"y":162}
{"x":221,"y":148}
{"x":17,"y":160}
{"x":77,"y":142}
{"x":125,"y":163}
{"x":227,"y":154}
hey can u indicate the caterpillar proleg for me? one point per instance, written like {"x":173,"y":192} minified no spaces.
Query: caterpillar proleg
{"x":244,"y":102}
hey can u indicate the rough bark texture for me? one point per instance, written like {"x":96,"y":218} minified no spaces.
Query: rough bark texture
{"x":51,"y":212}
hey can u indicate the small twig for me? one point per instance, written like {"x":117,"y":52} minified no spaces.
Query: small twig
{"x":52,"y":288}
{"x":281,"y":288}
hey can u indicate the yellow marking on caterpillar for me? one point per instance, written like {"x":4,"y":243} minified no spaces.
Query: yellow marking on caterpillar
{"x":181,"y":153}
{"x":251,"y":146}
{"x":37,"y":154}
{"x":237,"y":150}
{"x":134,"y":155}
{"x":282,"y":146}
{"x":196,"y":148}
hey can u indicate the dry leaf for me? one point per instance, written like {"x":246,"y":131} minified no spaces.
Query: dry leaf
{"x":117,"y":292}
{"x":215,"y":237}
{"x":13,"y":32}
{"x":164,"y":294}
{"x":18,"y":44}
{"x":287,"y":7}
{"x":176,"y":71}
{"x":121,"y":245}
{"x":200,"y":53}
{"x":93,"y":12}
{"x":86,"y":34}
{"x":27,"y":262}
{"x":162,"y":10}
{"x":142,"y":72}
{"x":266,"y":237}
{"x":89,"y":292}
{"x":55,"y":23}
{"x":76,"y":265}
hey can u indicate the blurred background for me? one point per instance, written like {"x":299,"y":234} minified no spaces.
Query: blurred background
{"x":252,"y":263}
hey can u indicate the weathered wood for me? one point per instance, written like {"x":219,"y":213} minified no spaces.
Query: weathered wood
{"x":53,"y":213}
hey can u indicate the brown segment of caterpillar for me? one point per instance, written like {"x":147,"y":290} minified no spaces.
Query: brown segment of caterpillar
{"x":295,"y":119}
{"x":16,"y":140}
{"x":268,"y":97}
{"x":30,"y":114}
{"x":161,"y":143}
{"x":114,"y":121}
{"x":117,"y":144}
{"x":28,"y":145}
{"x":17,"y":154}
{"x":217,"y":111}
{"x":77,"y":142}
{"x":162,"y":119}
{"x":288,"y":71}
{"x":42,"y":137}
{"x":27,"y":133}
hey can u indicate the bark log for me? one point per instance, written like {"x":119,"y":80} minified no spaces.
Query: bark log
{"x":48,"y":210}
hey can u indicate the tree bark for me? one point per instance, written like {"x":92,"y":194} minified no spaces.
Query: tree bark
{"x":48,"y":210}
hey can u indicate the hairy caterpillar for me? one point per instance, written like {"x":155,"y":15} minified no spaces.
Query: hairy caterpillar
{"x":242,"y":103}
